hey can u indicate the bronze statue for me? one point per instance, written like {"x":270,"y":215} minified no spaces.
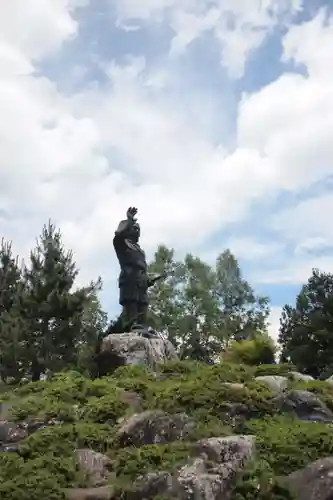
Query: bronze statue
{"x":134,"y":280}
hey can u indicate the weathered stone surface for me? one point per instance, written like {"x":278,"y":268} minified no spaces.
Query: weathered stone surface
{"x":275,"y":382}
{"x":208,"y":476}
{"x":132,"y":399}
{"x":305,"y":405}
{"x":154,"y":427}
{"x":314,"y":482}
{"x":11,"y":432}
{"x":211,"y":476}
{"x":301,"y":377}
{"x":94,"y":464}
{"x":101,"y":493}
{"x":132,"y":348}
{"x":152,"y":485}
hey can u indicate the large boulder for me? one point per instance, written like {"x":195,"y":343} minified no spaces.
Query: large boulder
{"x":275,"y":383}
{"x":94,"y":464}
{"x":154,"y":427}
{"x":135,"y":349}
{"x":212,"y":474}
{"x":314,"y":482}
{"x":305,"y":405}
{"x":209,"y":475}
{"x":301,"y":377}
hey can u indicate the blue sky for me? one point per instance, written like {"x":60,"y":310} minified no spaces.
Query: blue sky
{"x":213,"y":117}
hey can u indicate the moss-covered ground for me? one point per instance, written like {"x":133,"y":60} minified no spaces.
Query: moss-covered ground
{"x":90,"y":410}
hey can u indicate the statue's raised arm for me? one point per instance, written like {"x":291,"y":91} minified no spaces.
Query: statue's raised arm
{"x":126,"y":226}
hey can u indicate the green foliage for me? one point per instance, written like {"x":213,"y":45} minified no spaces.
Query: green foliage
{"x":54,"y":311}
{"x":132,"y":462}
{"x":62,"y":440}
{"x":43,"y":477}
{"x":200,"y":307}
{"x":212,"y":395}
{"x":258,"y":482}
{"x":289,"y":444}
{"x":282,"y":369}
{"x":11,"y":323}
{"x":256,"y":351}
{"x":105,"y":409}
{"x":306,"y":329}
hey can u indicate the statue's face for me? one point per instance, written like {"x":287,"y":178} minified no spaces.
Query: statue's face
{"x":135,"y":233}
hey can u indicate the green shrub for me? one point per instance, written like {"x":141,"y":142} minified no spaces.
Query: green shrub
{"x":256,"y":351}
{"x":37,"y":479}
{"x":258,"y":482}
{"x":42,"y":408}
{"x":132,"y":462}
{"x":106,"y":409}
{"x":212,"y":396}
{"x":177,"y":368}
{"x":288,"y":444}
{"x":283,"y":369}
{"x":61,"y":440}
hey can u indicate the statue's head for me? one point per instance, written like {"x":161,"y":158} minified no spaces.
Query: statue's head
{"x":134,"y":233}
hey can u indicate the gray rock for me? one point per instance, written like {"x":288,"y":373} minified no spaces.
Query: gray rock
{"x":154,"y":427}
{"x":94,"y":464}
{"x":209,"y":475}
{"x":301,"y":377}
{"x":212,"y":475}
{"x":275,"y":382}
{"x":305,"y":405}
{"x":314,"y":482}
{"x":11,"y":432}
{"x":133,"y":349}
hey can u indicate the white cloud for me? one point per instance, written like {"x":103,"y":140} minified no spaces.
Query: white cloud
{"x":239,"y":26}
{"x":83,"y":159}
{"x":290,"y":120}
{"x":248,"y":248}
{"x":308,"y":223}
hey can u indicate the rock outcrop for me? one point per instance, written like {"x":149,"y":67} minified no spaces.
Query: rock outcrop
{"x":159,"y":427}
{"x":133,"y":348}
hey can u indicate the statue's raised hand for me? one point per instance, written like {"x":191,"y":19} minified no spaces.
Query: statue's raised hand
{"x":131,"y":213}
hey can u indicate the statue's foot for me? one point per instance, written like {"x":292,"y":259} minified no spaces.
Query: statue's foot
{"x":144,"y":331}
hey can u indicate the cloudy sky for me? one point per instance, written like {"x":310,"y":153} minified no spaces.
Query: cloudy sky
{"x":213,"y":117}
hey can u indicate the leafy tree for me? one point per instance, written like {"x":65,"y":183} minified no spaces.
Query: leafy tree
{"x":243,"y":313}
{"x":306,"y":330}
{"x":167,"y":307}
{"x":200,"y":325}
{"x":53,"y":309}
{"x":200,"y":308}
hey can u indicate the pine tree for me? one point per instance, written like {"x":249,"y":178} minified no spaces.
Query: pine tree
{"x":53,"y":307}
{"x":12,"y":324}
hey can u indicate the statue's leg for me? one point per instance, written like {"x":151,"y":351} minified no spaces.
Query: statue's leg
{"x":130,"y":314}
{"x":142,"y":313}
{"x":128,"y":298}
